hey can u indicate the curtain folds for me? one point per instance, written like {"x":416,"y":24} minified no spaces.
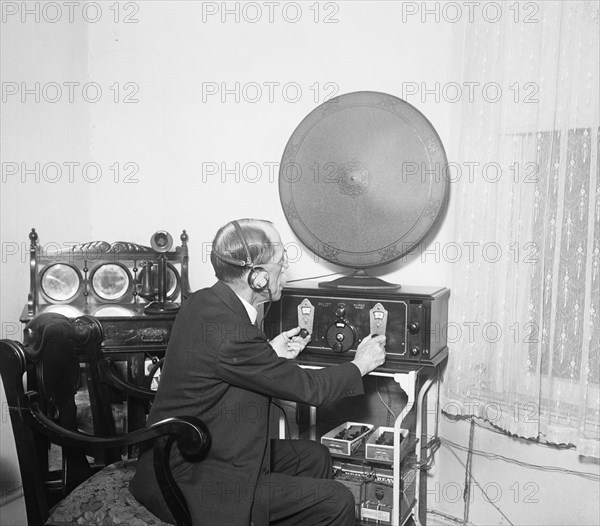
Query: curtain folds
{"x":524,"y":330}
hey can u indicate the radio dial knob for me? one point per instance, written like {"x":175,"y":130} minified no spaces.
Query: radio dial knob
{"x":340,"y":336}
{"x":415,"y":351}
{"x":414,"y":327}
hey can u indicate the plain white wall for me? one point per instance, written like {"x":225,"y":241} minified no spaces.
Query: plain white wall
{"x":171,"y":134}
{"x":44,"y":133}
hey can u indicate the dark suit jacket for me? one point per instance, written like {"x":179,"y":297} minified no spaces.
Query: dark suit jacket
{"x":220,"y":368}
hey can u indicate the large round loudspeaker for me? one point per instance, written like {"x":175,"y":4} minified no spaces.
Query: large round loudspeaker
{"x":362,"y":181}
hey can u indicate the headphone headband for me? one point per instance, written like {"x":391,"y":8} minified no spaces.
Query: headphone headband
{"x":237,"y":262}
{"x":240,"y":234}
{"x":258,"y":278}
{"x":234,"y":262}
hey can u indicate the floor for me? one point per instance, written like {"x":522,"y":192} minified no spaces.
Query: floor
{"x":12,"y":513}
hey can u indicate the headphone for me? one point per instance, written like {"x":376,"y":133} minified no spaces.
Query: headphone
{"x":258,"y":277}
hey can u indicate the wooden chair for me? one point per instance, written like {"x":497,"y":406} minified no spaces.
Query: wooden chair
{"x":77,"y":492}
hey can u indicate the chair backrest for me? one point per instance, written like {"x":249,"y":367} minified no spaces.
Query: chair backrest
{"x":49,"y":364}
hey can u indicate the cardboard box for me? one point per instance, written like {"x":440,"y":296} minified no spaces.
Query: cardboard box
{"x":352,"y":441}
{"x":375,"y":451}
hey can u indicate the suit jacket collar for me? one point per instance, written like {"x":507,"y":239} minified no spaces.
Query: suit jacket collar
{"x":224,"y":292}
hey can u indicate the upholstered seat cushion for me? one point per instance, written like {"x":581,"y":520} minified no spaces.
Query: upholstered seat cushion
{"x":104,"y":500}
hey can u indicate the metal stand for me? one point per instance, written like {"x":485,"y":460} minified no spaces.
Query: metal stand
{"x":408,"y":383}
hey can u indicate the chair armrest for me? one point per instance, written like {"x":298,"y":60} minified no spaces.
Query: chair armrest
{"x":110,"y":376}
{"x":191,"y":433}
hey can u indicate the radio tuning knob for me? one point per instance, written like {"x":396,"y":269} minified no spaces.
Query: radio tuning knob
{"x":415,"y":351}
{"x":340,"y":311}
{"x":414,"y":327}
{"x":340,"y":336}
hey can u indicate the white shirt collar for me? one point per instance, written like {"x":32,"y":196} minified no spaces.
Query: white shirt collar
{"x":250,"y":309}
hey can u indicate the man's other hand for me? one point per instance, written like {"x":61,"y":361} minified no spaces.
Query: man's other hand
{"x":370,"y":354}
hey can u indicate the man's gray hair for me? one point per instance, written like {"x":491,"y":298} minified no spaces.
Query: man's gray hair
{"x":228,"y":247}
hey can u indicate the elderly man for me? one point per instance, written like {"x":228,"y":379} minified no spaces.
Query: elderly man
{"x":221,"y":368}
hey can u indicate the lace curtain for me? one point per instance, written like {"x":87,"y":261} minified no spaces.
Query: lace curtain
{"x":524,"y":333}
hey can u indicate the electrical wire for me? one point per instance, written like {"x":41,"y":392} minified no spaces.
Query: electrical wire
{"x":317,"y":277}
{"x":495,"y":429}
{"x":494,"y":456}
{"x":499,"y":431}
{"x":279,"y":405}
{"x":468,"y":476}
{"x":266,"y":311}
{"x":478,"y":485}
{"x":449,"y":517}
{"x":435,"y":442}
{"x":433,"y":445}
{"x":383,"y":402}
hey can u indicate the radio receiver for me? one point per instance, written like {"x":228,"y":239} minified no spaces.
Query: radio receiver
{"x":362,"y":182}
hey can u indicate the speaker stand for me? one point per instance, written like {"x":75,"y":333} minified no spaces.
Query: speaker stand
{"x":359,"y":280}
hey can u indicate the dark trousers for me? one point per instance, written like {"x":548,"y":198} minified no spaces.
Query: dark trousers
{"x":302,"y":492}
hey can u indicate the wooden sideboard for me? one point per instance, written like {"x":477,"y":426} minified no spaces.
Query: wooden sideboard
{"x":119,"y":284}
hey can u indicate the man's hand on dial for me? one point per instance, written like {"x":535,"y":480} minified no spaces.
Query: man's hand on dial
{"x":289,"y":344}
{"x":370,"y":354}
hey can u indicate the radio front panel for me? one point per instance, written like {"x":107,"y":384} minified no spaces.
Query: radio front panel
{"x":340,"y":324}
{"x":339,"y":320}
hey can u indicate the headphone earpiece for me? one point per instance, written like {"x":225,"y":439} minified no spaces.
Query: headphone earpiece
{"x":258,"y":279}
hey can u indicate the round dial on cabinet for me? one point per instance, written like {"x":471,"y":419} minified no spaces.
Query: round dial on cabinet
{"x":340,"y":336}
